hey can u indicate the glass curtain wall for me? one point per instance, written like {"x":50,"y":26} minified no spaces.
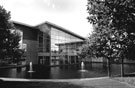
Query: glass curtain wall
{"x":44,"y":48}
{"x":62,"y":47}
{"x":57,"y":47}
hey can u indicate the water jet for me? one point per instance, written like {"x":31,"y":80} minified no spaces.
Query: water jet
{"x":82,"y":67}
{"x":30,"y":68}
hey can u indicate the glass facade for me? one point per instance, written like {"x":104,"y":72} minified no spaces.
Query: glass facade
{"x":44,"y":42}
{"x":57,"y":47}
{"x":60,"y":37}
{"x":63,"y":47}
{"x":44,"y":48}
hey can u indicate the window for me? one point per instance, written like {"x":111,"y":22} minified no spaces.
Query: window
{"x":44,"y":42}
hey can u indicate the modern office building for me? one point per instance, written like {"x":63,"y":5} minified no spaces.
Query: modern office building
{"x":49,"y":44}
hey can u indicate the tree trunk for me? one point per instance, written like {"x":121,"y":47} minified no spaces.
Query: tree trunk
{"x":122,"y":67}
{"x":108,"y":68}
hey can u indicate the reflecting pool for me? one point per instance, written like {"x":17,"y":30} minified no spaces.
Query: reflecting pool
{"x":65,"y":71}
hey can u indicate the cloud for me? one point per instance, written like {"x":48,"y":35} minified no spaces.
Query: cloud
{"x":65,"y":5}
{"x":70,"y":14}
{"x":56,"y":5}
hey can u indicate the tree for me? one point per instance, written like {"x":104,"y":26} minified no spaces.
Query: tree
{"x":17,"y":54}
{"x":114,"y":35}
{"x":9,"y":38}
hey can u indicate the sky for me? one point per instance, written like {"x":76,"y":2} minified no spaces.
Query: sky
{"x":69,"y":14}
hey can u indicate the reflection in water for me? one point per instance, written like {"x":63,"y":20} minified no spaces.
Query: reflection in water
{"x":30,"y":75}
{"x":66,"y":72}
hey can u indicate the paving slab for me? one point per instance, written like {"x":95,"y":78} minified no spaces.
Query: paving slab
{"x":103,"y":82}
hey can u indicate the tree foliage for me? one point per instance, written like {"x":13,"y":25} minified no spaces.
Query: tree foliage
{"x":114,"y":34}
{"x":9,"y":38}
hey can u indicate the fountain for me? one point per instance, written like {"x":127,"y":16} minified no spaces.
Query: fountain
{"x":83,"y":67}
{"x":31,"y":68}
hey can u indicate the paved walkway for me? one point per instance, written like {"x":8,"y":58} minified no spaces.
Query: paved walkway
{"x":86,"y":83}
{"x":102,"y":83}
